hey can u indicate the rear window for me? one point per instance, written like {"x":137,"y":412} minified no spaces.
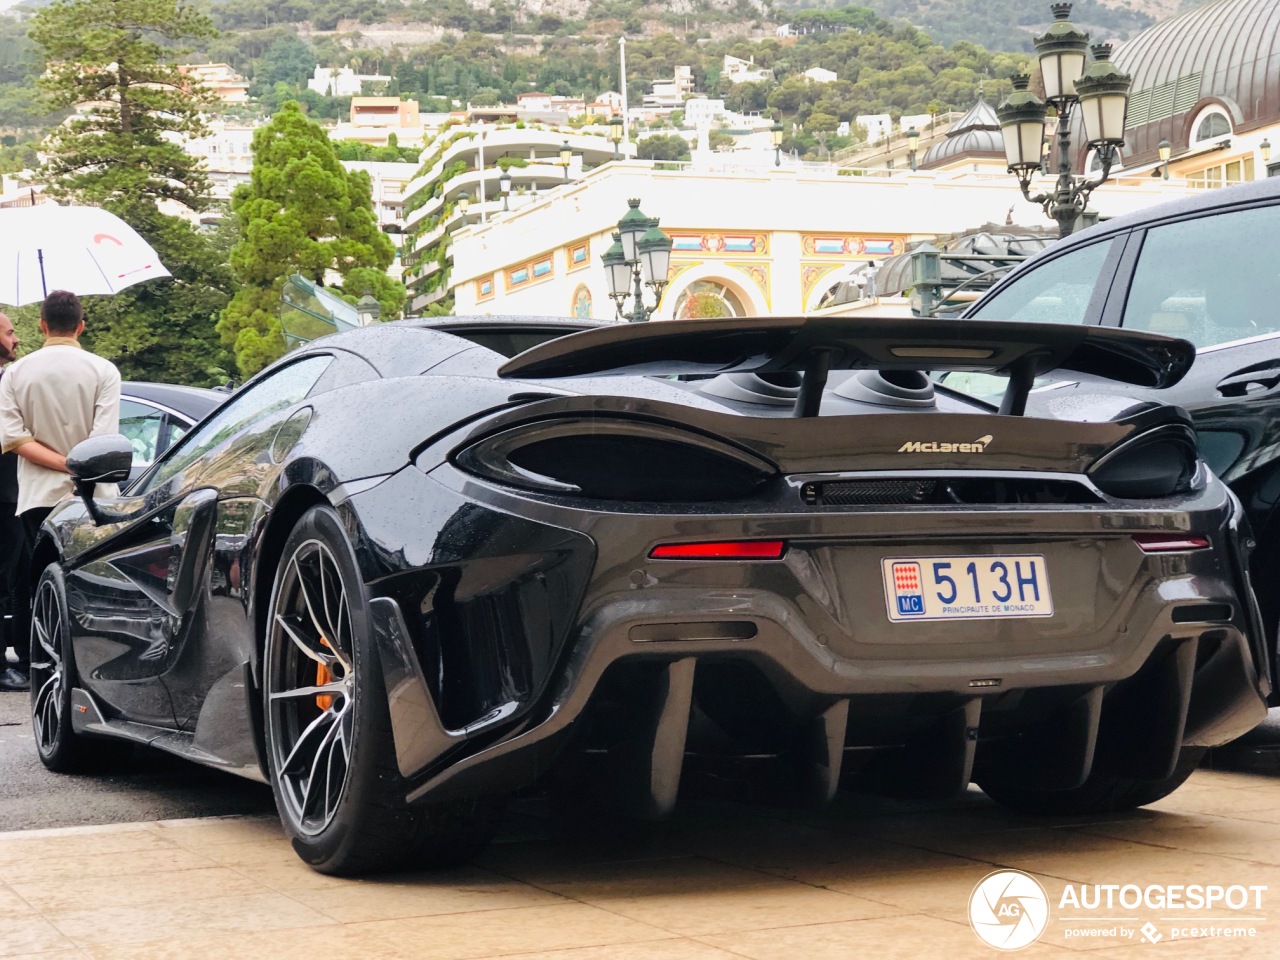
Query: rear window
{"x":1057,"y":291}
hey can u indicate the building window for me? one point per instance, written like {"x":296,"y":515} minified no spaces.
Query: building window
{"x":1222,"y":174}
{"x":484,"y":288}
{"x":521,"y":274}
{"x":1211,"y":125}
{"x":578,"y":256}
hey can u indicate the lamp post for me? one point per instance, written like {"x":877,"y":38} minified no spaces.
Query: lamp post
{"x":504,"y":184}
{"x":615,"y":134}
{"x":1101,"y":94}
{"x":775,"y":133}
{"x":639,"y":257}
{"x":566,"y":154}
{"x":368,"y":309}
{"x":1264,"y":151}
{"x":464,"y":201}
{"x":913,"y":141}
{"x":1166,"y":151}
{"x":926,"y":276}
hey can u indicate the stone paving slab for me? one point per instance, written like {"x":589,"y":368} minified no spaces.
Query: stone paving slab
{"x":865,"y":878}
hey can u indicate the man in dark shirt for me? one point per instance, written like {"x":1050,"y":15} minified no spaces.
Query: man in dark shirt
{"x":14,"y":555}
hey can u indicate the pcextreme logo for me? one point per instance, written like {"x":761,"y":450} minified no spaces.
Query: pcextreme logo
{"x":938,"y":446}
{"x":1008,"y":909}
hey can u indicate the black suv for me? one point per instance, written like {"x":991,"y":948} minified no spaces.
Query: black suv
{"x":1204,"y":269}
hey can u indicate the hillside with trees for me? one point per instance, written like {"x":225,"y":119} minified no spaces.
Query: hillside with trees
{"x":1006,"y":24}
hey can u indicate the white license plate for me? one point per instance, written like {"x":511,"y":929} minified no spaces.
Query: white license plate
{"x":966,"y":588}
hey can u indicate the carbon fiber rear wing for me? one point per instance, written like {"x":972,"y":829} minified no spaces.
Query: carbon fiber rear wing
{"x":816,"y":345}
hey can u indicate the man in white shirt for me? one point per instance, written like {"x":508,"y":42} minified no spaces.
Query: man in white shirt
{"x":50,"y":400}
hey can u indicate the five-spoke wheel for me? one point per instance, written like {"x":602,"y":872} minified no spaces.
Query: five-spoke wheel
{"x":328,"y":727}
{"x":52,"y":676}
{"x":312,"y":686}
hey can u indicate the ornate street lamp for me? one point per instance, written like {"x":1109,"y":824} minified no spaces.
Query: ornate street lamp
{"x":464,"y":201}
{"x":615,"y":134}
{"x":1264,"y":148}
{"x":566,"y":154}
{"x":368,"y":309}
{"x":775,"y":133}
{"x":913,"y":141}
{"x":1101,"y":94}
{"x":504,"y":184}
{"x":1166,"y":151}
{"x":639,"y":257}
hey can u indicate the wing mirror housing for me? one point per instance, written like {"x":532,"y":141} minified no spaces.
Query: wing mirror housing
{"x":105,"y":459}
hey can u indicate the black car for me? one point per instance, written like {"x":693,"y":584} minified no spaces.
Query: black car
{"x":1203,"y":269}
{"x":414,"y":567}
{"x":155,"y":416}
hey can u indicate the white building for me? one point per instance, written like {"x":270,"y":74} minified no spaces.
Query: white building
{"x":701,"y":110}
{"x":879,"y":126}
{"x":669,"y":95}
{"x":342,"y":81}
{"x":779,"y":254}
{"x":226,"y":152}
{"x":530,"y":155}
{"x":820,"y":75}
{"x":737,"y":70}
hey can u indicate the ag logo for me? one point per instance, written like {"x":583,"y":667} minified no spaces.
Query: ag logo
{"x":1008,"y":909}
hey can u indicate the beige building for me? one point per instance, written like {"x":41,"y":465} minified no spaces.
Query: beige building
{"x":374,"y":119}
{"x":227,"y":85}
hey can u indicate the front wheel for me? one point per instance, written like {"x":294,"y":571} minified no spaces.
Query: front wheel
{"x":60,"y":748}
{"x":329,"y":740}
{"x":1099,"y":793}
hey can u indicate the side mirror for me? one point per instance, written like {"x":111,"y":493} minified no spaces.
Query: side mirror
{"x":105,"y":459}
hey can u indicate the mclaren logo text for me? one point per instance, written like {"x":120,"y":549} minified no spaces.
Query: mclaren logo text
{"x":938,"y":446}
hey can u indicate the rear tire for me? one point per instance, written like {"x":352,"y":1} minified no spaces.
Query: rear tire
{"x":1099,"y":793}
{"x":60,"y":748}
{"x":329,"y":741}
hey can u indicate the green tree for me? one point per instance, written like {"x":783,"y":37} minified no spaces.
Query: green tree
{"x":301,"y":212}
{"x":669,"y":146}
{"x":288,"y":60}
{"x":115,"y":62}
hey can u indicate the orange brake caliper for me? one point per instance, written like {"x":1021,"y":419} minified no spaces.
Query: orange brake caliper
{"x":323,"y":676}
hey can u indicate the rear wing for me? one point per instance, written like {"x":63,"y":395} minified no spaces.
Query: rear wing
{"x":816,"y":345}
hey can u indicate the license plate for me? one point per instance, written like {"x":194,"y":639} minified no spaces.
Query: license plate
{"x":966,"y":588}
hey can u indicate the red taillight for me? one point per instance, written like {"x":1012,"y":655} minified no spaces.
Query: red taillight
{"x":1169,"y":542}
{"x":721,"y":550}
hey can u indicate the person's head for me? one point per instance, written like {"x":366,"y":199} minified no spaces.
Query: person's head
{"x":61,"y":314}
{"x":8,"y":341}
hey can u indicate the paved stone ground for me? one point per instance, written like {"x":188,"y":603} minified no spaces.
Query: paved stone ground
{"x":723,"y":881}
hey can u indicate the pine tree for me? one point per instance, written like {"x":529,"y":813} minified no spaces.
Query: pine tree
{"x":301,"y":212}
{"x":114,"y":63}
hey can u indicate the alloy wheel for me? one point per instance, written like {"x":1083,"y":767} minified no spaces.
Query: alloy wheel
{"x":311,"y":687}
{"x":47,"y":669}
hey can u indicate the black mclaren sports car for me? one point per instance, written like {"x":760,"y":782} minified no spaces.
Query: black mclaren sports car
{"x":410,"y":569}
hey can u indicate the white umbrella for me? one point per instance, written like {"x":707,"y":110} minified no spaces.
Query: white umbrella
{"x":82,"y":249}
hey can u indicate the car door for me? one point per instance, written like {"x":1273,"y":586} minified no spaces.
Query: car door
{"x":1215,"y":280}
{"x":150,"y":429}
{"x":140,"y":596}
